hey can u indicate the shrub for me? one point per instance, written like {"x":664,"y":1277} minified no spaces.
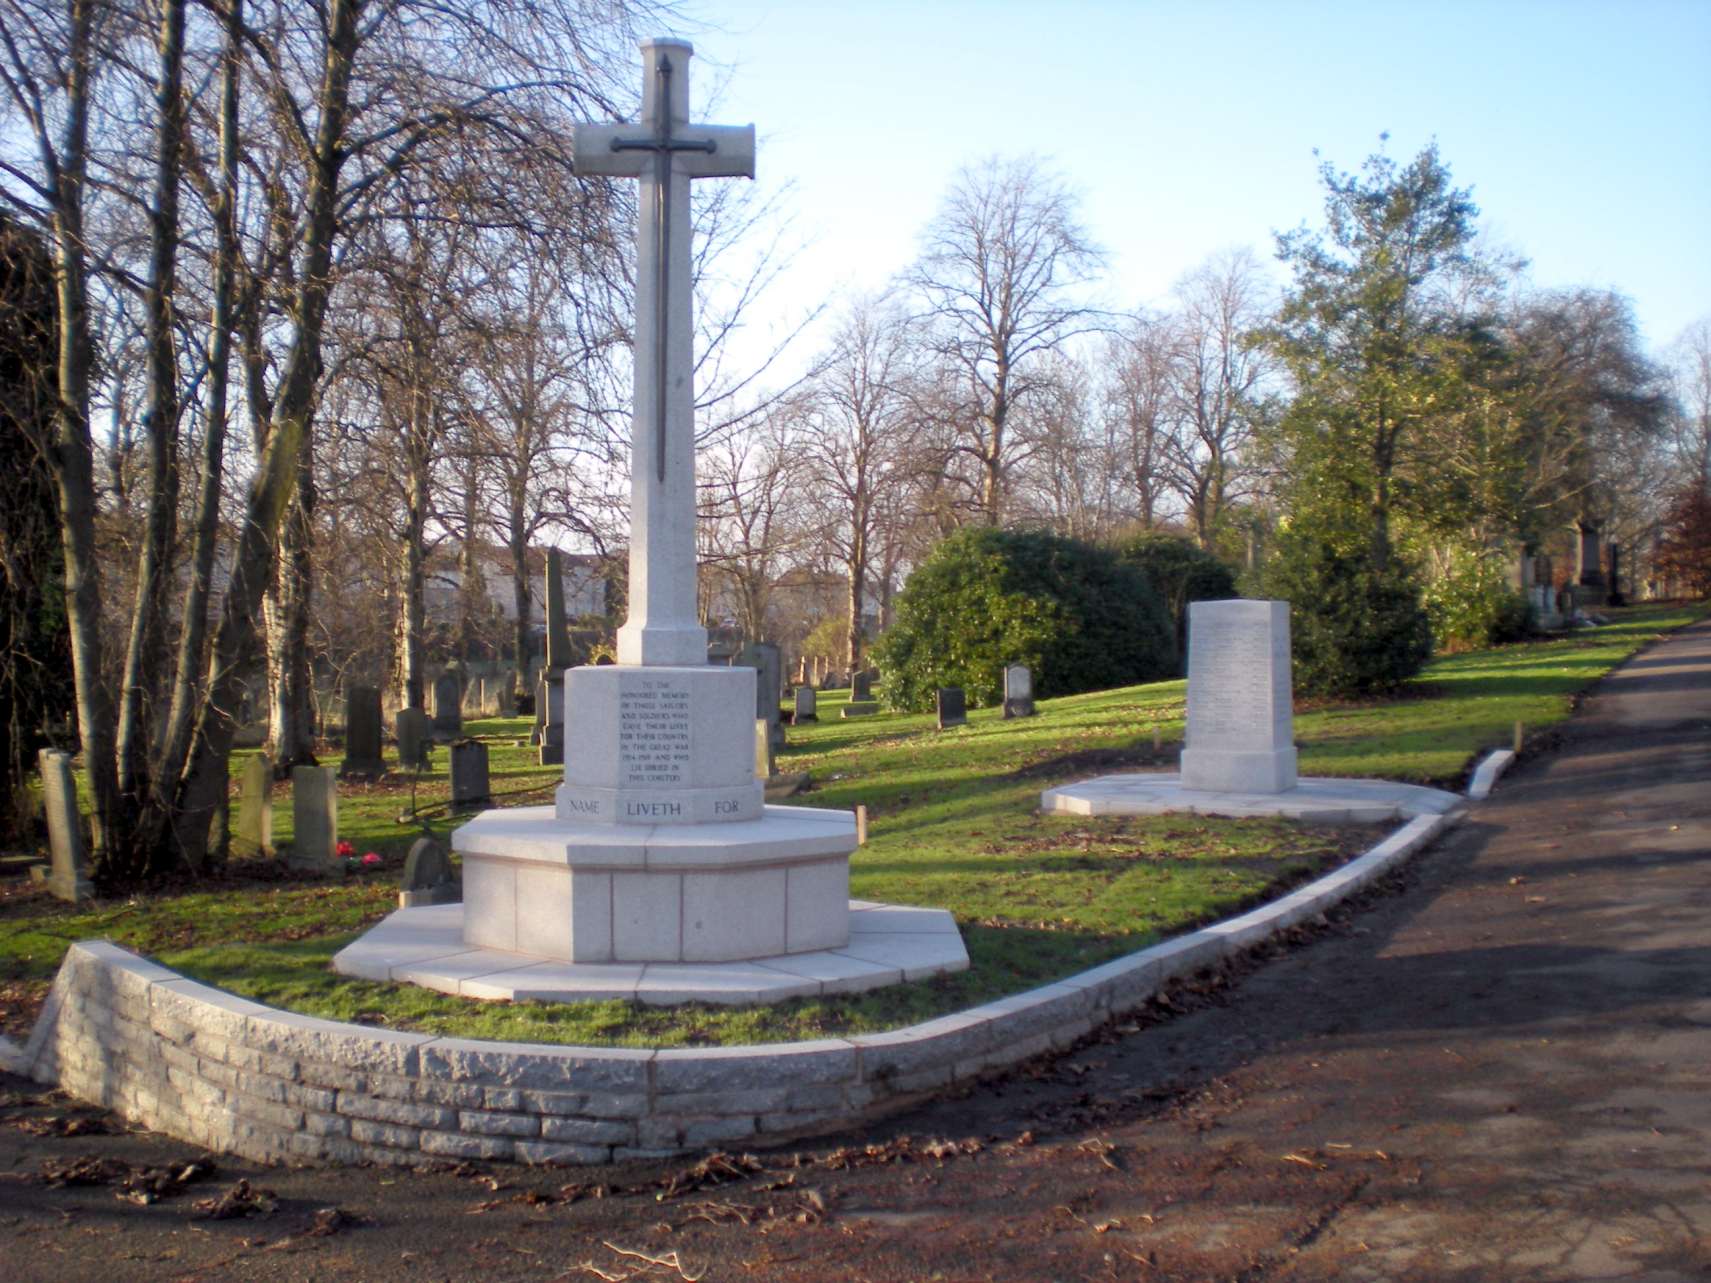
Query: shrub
{"x":1179,"y":573}
{"x":1355,"y":628}
{"x":1078,"y":617}
{"x":1473,"y":605}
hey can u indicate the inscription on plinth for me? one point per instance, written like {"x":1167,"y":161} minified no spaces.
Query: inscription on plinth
{"x":654,"y":746}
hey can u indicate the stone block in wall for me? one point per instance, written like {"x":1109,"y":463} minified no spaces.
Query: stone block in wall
{"x":462,"y":1145}
{"x":717,"y":1069}
{"x":929,"y":1048}
{"x":528,"y":1065}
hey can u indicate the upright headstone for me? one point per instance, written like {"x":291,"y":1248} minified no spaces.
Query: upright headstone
{"x":768,"y":663}
{"x":507,"y":701}
{"x":67,"y":875}
{"x":1018,"y":691}
{"x":428,"y":877}
{"x":558,"y":626}
{"x":1614,"y":597}
{"x":1588,"y":571}
{"x":1241,"y":720}
{"x":255,"y":807}
{"x":448,"y":705}
{"x":807,"y":705}
{"x":549,"y":719}
{"x":362,"y":734}
{"x":952,"y":706}
{"x":469,"y":774}
{"x":861,"y":687}
{"x":314,"y":817}
{"x":414,"y":732}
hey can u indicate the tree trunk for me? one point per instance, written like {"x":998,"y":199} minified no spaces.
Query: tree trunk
{"x":469,"y":589}
{"x":203,"y":788}
{"x":291,"y":740}
{"x":412,"y":661}
{"x":519,"y":546}
{"x":146,"y":649}
{"x":858,"y":590}
{"x":174,"y":744}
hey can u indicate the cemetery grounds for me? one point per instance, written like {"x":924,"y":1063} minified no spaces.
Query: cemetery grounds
{"x":952,"y":823}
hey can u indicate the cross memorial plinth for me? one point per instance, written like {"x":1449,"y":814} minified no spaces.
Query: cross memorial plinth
{"x":660,"y":846}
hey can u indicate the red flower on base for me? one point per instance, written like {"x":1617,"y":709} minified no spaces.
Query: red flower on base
{"x":344,"y":850}
{"x":370,"y":859}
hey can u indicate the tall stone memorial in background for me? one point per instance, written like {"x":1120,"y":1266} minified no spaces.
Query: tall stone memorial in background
{"x":659,"y":847}
{"x":549,"y":694}
{"x":1241,"y":719}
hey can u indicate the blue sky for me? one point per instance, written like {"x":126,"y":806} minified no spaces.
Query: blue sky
{"x":1584,"y":129}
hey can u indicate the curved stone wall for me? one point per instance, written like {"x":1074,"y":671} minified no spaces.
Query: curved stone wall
{"x":193,"y":1062}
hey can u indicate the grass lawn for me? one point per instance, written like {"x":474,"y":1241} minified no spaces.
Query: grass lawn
{"x":952,"y":823}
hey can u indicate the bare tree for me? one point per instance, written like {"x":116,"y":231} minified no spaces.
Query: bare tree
{"x":1217,"y":375}
{"x":1137,"y":391}
{"x":750,"y":524}
{"x":997,"y":279}
{"x":861,"y":444}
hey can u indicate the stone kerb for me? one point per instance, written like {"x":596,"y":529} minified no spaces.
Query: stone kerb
{"x":183,"y":1058}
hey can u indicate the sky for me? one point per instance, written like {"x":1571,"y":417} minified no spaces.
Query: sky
{"x":1189,"y":127}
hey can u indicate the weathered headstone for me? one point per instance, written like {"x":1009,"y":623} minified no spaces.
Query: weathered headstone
{"x":255,"y":807}
{"x":1240,"y":736}
{"x":67,"y":875}
{"x":448,"y":705}
{"x":414,"y":732}
{"x":314,"y":817}
{"x":469,"y":774}
{"x":768,"y":663}
{"x":765,"y":764}
{"x":861,"y":687}
{"x":507,"y":702}
{"x":1018,"y":691}
{"x":428,"y":877}
{"x":807,"y":705}
{"x":549,"y":719}
{"x":362,"y":734}
{"x":952,"y":706}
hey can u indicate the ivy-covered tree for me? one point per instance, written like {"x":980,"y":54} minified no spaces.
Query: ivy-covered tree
{"x":1374,"y":333}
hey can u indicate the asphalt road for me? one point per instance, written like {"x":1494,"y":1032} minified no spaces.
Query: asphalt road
{"x":1498,"y":1067}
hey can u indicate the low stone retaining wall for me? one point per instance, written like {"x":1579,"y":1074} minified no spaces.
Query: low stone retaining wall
{"x":193,"y":1062}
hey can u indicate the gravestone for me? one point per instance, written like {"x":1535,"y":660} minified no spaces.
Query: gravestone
{"x":549,"y":719}
{"x":67,"y":874}
{"x":1589,"y":573}
{"x":807,"y":705}
{"x":549,"y":694}
{"x":768,"y":663}
{"x":1240,"y":736}
{"x":314,"y":818}
{"x":507,"y":702}
{"x":766,"y":766}
{"x":469,"y":775}
{"x":952,"y":706}
{"x":428,"y":876}
{"x":1615,"y":597}
{"x":255,"y":807}
{"x":861,"y":687}
{"x":448,"y":706}
{"x":1018,"y":691}
{"x":414,"y":732}
{"x":362,"y":734}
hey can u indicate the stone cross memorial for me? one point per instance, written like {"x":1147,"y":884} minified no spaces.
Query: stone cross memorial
{"x":659,"y":846}
{"x":1241,"y":720}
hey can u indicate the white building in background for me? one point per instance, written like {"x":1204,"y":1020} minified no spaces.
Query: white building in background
{"x":585,"y":587}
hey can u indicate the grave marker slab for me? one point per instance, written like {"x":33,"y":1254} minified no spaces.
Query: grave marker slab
{"x":428,"y":876}
{"x":362,"y":734}
{"x":414,"y":732}
{"x":861,"y":687}
{"x":67,"y":875}
{"x":314,"y":818}
{"x":255,"y":807}
{"x":469,"y":775}
{"x":952,"y":706}
{"x":807,"y":705}
{"x":448,"y":705}
{"x":1018,"y":691}
{"x":1240,"y":735}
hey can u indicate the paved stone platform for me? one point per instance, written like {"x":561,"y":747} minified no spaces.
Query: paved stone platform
{"x":888,"y":944}
{"x":1314,"y":800}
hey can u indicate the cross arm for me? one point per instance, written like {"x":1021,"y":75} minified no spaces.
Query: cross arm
{"x":627,"y":151}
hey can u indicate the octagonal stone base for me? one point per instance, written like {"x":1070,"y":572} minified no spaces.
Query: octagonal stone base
{"x":586,"y":892}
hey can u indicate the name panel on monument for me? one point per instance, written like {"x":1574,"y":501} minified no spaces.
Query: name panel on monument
{"x":653,"y":731}
{"x":1232,"y":688}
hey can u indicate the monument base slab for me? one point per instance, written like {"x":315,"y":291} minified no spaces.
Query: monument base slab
{"x":1220,"y":770}
{"x":1313,"y":800}
{"x":582,"y":891}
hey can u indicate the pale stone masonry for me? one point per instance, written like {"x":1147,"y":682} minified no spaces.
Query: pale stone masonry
{"x":220,"y":1071}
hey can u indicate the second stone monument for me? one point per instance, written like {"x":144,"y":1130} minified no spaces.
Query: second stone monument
{"x":1241,"y":721}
